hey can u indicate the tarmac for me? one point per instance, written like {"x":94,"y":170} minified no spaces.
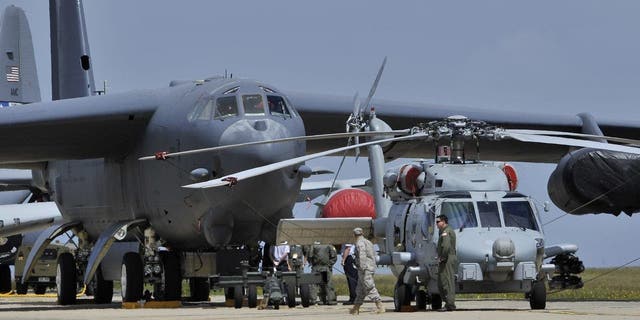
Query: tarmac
{"x":20,"y":307}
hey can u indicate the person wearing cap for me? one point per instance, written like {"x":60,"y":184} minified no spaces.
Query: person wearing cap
{"x":366,"y":264}
{"x":447,"y":262}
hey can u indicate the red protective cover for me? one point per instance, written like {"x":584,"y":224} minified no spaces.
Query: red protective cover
{"x":350,"y":203}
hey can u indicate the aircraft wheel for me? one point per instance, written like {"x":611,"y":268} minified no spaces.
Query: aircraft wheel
{"x":229,"y":293}
{"x":66,"y":277}
{"x":538,"y":296}
{"x":421,"y":300}
{"x":131,"y":279}
{"x":291,"y":295}
{"x":5,"y":278}
{"x":40,"y":289}
{"x":171,"y":277}
{"x":252,"y":296}
{"x":102,"y":289}
{"x":436,"y":302}
{"x":199,"y":288}
{"x":21,"y":288}
{"x":237,"y":297}
{"x":401,"y":296}
{"x":305,"y":295}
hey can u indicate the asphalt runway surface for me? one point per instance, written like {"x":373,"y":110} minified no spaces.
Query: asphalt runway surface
{"x":46,"y":308}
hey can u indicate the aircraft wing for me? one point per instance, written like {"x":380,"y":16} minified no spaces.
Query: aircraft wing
{"x":81,"y":128}
{"x":23,"y":218}
{"x":314,"y":189}
{"x":324,"y":113}
{"x":324,"y":230}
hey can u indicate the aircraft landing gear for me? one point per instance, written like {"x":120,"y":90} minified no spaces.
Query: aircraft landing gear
{"x":5,"y":278}
{"x":401,"y":296}
{"x":102,"y":289}
{"x":436,"y":302}
{"x":170,"y":285}
{"x":66,"y":279}
{"x":538,"y":296}
{"x":421,"y":299}
{"x":131,"y":279}
{"x":199,"y":289}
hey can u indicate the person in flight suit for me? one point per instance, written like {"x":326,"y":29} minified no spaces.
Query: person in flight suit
{"x":322,"y":258}
{"x":447,"y":262}
{"x":366,"y":264}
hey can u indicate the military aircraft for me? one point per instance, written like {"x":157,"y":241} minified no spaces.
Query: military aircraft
{"x":88,"y":151}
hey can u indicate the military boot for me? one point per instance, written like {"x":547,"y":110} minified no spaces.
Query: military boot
{"x":380,"y":307}
{"x":355,"y":310}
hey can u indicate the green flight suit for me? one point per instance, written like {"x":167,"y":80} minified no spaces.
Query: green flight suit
{"x":447,"y":266}
{"x":322,"y":257}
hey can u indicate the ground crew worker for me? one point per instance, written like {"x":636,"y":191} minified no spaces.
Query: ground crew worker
{"x":322,"y":258}
{"x":366,"y":263}
{"x":447,"y":262}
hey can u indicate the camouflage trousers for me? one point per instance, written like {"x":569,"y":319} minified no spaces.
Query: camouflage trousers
{"x":366,"y":288}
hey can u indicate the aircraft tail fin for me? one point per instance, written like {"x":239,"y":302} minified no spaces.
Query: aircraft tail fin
{"x":71,"y":72}
{"x":19,"y":78}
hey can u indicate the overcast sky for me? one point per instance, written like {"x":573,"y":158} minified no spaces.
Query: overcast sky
{"x":547,"y":56}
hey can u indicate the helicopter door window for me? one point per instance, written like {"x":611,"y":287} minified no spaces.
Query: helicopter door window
{"x":253,"y":104}
{"x":460,"y":214}
{"x":226,"y":107}
{"x":518,"y":214}
{"x":489,"y":215}
{"x":278,"y":107}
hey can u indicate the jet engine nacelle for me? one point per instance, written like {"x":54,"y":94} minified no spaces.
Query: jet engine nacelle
{"x":596,"y":181}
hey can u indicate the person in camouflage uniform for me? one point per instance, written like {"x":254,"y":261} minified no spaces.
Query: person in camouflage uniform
{"x":322,"y":257}
{"x":447,"y":262}
{"x":366,"y":264}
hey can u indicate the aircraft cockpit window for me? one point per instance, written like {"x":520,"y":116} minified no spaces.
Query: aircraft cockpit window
{"x":278,"y":107}
{"x":202,"y":110}
{"x":267,"y":90}
{"x":489,"y":215}
{"x":460,"y":214}
{"x":226,"y":107}
{"x":232,"y":90}
{"x":518,"y":214}
{"x":253,"y":104}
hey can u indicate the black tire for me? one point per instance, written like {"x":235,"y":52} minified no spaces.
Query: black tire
{"x":291,"y":295}
{"x":21,"y":288}
{"x":171,"y":277}
{"x":199,"y":289}
{"x":252,"y":296}
{"x":102,"y":289}
{"x":238,"y":296}
{"x":421,"y":300}
{"x":66,"y":277}
{"x":305,"y":295}
{"x":436,"y":302}
{"x":131,"y":279}
{"x":40,"y":289}
{"x":229,"y":293}
{"x":5,"y":278}
{"x":401,"y":296}
{"x":538,"y":296}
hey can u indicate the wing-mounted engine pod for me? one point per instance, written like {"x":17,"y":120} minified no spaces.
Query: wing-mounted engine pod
{"x":411,"y":179}
{"x":512,"y":176}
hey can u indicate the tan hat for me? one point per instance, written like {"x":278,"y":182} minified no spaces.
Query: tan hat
{"x":358,"y":231}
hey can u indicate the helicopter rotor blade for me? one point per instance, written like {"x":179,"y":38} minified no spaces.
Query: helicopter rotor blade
{"x":574,"y":134}
{"x":372,"y":91}
{"x":535,"y":138}
{"x":253,"y":143}
{"x":246,"y":174}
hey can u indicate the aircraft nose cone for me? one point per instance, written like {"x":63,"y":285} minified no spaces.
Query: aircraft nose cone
{"x":247,"y":130}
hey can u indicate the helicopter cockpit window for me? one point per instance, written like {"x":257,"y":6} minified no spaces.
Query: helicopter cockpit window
{"x":278,"y":107}
{"x":460,"y":214}
{"x":253,"y":104}
{"x":518,"y":214}
{"x":226,"y":107}
{"x":489,"y":215}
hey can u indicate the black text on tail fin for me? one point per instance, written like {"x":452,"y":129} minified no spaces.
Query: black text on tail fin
{"x":18,"y":77}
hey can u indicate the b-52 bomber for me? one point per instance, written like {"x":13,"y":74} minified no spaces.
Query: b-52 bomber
{"x":161,"y":221}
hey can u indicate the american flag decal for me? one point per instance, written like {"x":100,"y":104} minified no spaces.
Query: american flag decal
{"x":13,"y":74}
